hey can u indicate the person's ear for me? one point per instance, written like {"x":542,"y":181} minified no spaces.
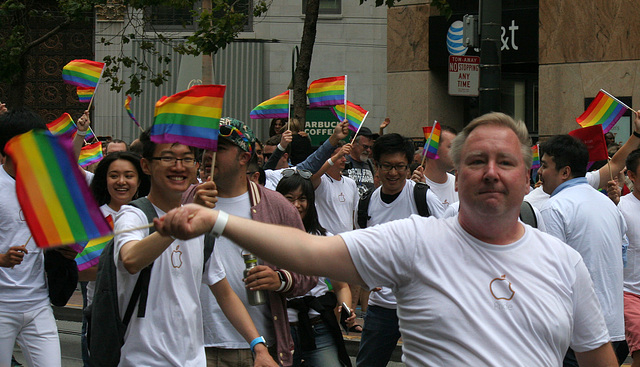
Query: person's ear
{"x":146,"y":166}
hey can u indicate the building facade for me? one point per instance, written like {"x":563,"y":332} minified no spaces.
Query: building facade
{"x":556,"y":56}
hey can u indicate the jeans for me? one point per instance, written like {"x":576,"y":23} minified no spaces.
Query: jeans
{"x":325,"y":354}
{"x":36,"y":333}
{"x":379,"y":337}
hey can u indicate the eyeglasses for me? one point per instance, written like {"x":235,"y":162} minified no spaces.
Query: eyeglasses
{"x":388,"y":167}
{"x":302,"y":172}
{"x":171,"y":161}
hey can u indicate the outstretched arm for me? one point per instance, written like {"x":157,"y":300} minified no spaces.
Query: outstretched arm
{"x":316,"y":179}
{"x":287,"y":247}
{"x":237,"y":314}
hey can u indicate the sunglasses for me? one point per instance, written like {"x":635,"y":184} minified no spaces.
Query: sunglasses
{"x":301,"y":172}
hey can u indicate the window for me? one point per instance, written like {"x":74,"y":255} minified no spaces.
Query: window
{"x":326,"y":7}
{"x":168,"y":18}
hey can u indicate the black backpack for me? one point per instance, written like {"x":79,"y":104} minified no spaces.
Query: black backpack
{"x":105,"y":329}
{"x":419,"y":195}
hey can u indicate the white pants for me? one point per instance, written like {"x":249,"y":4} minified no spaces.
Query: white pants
{"x":36,"y":333}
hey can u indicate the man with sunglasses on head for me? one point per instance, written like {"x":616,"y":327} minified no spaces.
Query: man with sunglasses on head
{"x":394,"y":199}
{"x":359,"y":166}
{"x":278,"y":160}
{"x":229,"y":188}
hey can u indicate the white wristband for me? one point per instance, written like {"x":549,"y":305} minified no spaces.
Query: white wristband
{"x":220,"y":224}
{"x":82,"y":133}
{"x":330,"y":161}
{"x":281,"y":148}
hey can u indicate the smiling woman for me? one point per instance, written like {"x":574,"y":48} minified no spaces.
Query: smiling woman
{"x":118,"y":180}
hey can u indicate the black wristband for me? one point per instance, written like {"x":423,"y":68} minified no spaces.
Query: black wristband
{"x":635,"y":133}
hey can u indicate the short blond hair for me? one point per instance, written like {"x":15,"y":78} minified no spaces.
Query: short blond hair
{"x":498,"y":119}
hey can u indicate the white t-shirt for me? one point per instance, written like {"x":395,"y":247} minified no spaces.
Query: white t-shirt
{"x":537,"y":198}
{"x":218,"y":331}
{"x":171,"y":331}
{"x":629,"y":206}
{"x":91,"y":285}
{"x":23,"y":288}
{"x":445,"y":191}
{"x":336,"y":203}
{"x":463,"y":301}
{"x":402,"y":207}
{"x":590,"y":223}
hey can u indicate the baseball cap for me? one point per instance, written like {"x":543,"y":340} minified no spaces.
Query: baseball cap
{"x":238,"y":133}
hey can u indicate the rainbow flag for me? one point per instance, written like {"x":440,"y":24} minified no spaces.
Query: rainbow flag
{"x":276,"y":107}
{"x":355,"y":114}
{"x":82,"y":73}
{"x":89,"y":255}
{"x":604,"y":110}
{"x":536,"y":157}
{"x":127,"y":106}
{"x":91,"y":136}
{"x":90,"y":154}
{"x":191,"y":117}
{"x":432,"y":135}
{"x":85,"y":94}
{"x":63,"y":125}
{"x":327,"y":91}
{"x":52,"y":192}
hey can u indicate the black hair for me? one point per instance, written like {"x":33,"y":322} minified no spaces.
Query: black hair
{"x":448,"y":128}
{"x":391,"y":144}
{"x":18,"y":121}
{"x":633,"y":160}
{"x":99,"y":183}
{"x":149,"y":147}
{"x":310,"y":221}
{"x":567,"y":150}
{"x":272,"y":128}
{"x":253,"y":166}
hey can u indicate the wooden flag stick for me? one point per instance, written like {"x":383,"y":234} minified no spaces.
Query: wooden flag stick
{"x":609,"y":165}
{"x":140,"y":227}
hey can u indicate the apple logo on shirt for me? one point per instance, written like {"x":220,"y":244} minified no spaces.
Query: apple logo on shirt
{"x":176,"y":257}
{"x":501,"y":288}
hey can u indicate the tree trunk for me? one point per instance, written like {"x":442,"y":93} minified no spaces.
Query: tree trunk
{"x":301,"y":75}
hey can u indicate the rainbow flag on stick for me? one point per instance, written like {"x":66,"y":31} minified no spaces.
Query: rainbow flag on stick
{"x":355,"y":115}
{"x":63,"y":125}
{"x":91,"y":136}
{"x":89,"y":255}
{"x":53,"y":193}
{"x":276,"y":107}
{"x":191,"y":117}
{"x":127,"y":106}
{"x":536,"y":157}
{"x":82,"y":73}
{"x":327,"y":92}
{"x":85,"y":94}
{"x":432,"y":135}
{"x":604,"y":110}
{"x":90,"y":154}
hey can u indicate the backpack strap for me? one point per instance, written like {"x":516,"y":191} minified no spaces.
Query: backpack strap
{"x":363,"y":209}
{"x":141,"y":289}
{"x":527,"y":214}
{"x":420,"y":196}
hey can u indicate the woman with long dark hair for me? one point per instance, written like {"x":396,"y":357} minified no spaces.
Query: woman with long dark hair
{"x":314,"y":326}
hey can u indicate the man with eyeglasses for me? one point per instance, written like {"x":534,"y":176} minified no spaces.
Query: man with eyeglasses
{"x":478,"y":289}
{"x":230,"y":189}
{"x":359,"y":166}
{"x":171,"y":331}
{"x":394,"y":199}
